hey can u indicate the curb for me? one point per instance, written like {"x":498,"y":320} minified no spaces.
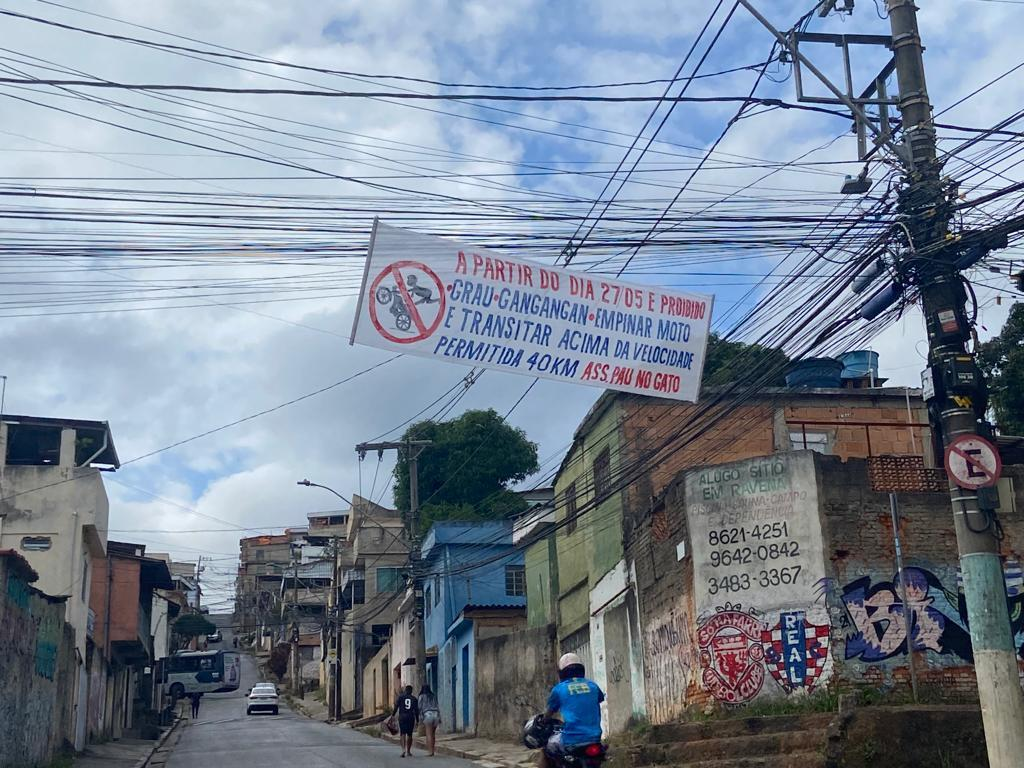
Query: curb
{"x":144,"y":761}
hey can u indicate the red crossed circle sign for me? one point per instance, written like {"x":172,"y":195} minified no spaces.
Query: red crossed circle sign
{"x":973,"y":462}
{"x":391,"y":287}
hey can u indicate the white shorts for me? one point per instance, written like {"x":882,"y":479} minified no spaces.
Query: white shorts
{"x":431,"y":717}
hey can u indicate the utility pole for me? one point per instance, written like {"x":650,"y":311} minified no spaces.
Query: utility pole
{"x":411,"y":450}
{"x":296,"y":682}
{"x":958,"y":396}
{"x":334,"y":678}
{"x":931,"y":261}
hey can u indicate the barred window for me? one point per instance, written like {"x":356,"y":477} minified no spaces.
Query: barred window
{"x":515,"y":581}
{"x":571,"y":514}
{"x":602,"y":473}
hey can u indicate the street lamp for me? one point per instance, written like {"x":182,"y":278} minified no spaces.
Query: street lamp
{"x":334,"y":701}
{"x":310,"y":484}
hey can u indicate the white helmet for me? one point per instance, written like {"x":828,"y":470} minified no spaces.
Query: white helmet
{"x":568,"y":660}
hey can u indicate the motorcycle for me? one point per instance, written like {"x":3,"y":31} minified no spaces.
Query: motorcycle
{"x":539,"y":729}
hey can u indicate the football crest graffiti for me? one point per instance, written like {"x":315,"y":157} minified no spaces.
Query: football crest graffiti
{"x":796,"y":651}
{"x":731,"y":656}
{"x":738,"y":650}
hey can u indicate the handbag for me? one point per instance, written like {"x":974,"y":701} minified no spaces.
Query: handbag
{"x":390,"y":725}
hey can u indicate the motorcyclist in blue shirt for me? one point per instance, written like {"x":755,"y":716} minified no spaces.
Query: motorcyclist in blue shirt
{"x":578,"y":700}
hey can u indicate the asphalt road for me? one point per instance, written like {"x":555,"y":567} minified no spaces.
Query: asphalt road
{"x":224,"y":736}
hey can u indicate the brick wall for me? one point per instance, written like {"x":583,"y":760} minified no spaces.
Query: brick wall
{"x":37,"y":673}
{"x":857,"y":603}
{"x":861,"y":564}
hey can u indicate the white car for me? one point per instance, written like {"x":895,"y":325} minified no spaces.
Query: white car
{"x":262,"y":698}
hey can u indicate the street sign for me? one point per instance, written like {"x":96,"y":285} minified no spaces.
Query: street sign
{"x":973,"y":462}
{"x":427,"y":296}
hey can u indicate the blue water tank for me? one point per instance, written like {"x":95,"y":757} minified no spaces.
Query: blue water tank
{"x":816,"y":372}
{"x":859,"y":364}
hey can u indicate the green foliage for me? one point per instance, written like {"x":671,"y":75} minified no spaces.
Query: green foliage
{"x":1002,"y":360}
{"x":278,"y":662}
{"x":465,"y":473}
{"x":193,"y":625}
{"x":729,"y":361}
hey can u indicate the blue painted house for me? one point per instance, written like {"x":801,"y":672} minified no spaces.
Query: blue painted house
{"x":474,"y":586}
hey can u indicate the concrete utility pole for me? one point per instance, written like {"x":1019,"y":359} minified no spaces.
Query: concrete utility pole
{"x":958,"y":395}
{"x":335,"y":669}
{"x":932,"y":261}
{"x":411,"y":450}
{"x":296,"y":682}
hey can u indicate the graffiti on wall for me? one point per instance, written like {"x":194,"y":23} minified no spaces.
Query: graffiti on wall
{"x":756,"y":540}
{"x":796,"y":651}
{"x":669,"y":663}
{"x":731,"y":655}
{"x":937,"y":616}
{"x":739,"y":650}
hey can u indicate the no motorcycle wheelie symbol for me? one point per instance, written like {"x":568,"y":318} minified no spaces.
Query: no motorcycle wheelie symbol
{"x":407,"y":302}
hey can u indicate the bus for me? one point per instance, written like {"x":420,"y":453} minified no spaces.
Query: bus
{"x":188,"y":672}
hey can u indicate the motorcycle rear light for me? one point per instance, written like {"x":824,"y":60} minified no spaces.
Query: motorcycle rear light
{"x":592,"y":750}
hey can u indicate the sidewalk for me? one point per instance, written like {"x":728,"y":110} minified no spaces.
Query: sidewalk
{"x":488,"y":754}
{"x":130,"y":753}
{"x":310,"y":707}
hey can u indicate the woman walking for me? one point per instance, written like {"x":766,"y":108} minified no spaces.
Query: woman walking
{"x":430,"y":714}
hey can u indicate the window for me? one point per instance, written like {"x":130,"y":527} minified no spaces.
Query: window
{"x":426,"y":601}
{"x":381,"y":633}
{"x":85,"y":578}
{"x":437,"y":590}
{"x":602,"y":473}
{"x":515,"y":581}
{"x":389,"y":579}
{"x":259,"y":554}
{"x":36,"y":543}
{"x":815,"y":441}
{"x":29,"y":445}
{"x":571,"y":515}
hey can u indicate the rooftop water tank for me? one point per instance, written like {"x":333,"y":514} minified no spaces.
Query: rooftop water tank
{"x":815,"y":372}
{"x":859,"y":364}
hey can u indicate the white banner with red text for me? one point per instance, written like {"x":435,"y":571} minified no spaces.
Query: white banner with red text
{"x":435,"y":298}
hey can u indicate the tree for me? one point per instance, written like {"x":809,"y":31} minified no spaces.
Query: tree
{"x":190,"y":625}
{"x":278,"y":661}
{"x":466,"y":472}
{"x":729,"y":361}
{"x":1002,"y":360}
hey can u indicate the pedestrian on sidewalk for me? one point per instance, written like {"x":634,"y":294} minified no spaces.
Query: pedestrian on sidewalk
{"x":408,"y":711}
{"x":195,"y":704}
{"x":431,"y":714}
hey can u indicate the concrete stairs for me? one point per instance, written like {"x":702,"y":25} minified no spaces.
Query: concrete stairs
{"x":786,"y":741}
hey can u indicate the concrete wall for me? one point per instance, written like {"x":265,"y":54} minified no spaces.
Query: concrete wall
{"x":38,"y":673}
{"x":73,"y":514}
{"x":379,"y":691}
{"x":514,"y":674}
{"x":595,"y":546}
{"x":541,"y":582}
